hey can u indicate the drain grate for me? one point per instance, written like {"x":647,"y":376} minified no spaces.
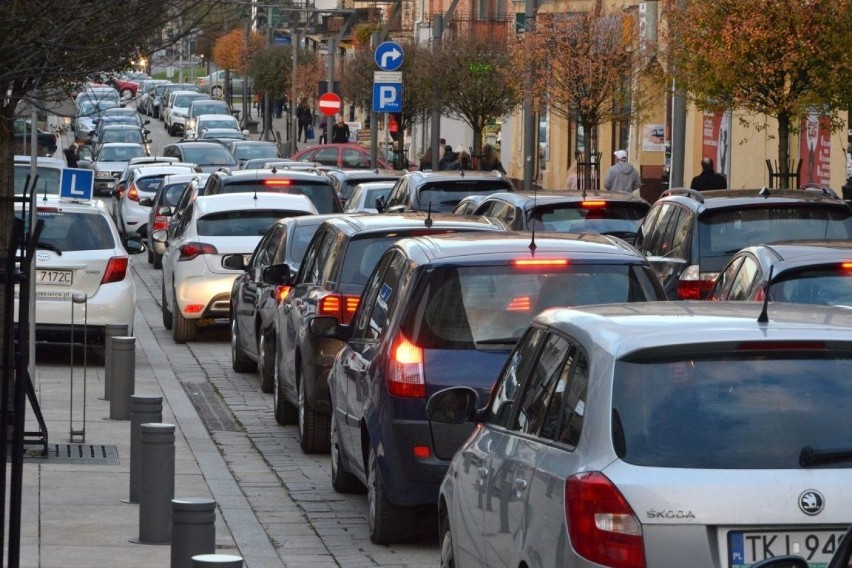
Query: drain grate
{"x":91,"y":454}
{"x":214,"y":413}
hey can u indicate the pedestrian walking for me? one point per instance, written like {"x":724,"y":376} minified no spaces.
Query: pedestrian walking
{"x":450,"y":159}
{"x":490,"y":161}
{"x":622,"y":177}
{"x":708,"y":178}
{"x":71,"y":154}
{"x":305,"y":117}
{"x":426,"y":160}
{"x":340,"y":132}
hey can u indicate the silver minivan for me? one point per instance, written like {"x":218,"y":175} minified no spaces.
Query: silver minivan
{"x":656,"y":435}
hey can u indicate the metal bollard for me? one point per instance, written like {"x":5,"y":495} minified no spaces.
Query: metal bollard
{"x":218,"y":560}
{"x":123,"y":375}
{"x":156,"y":483}
{"x":143,"y":410}
{"x":193,"y":530}
{"x":110,"y":330}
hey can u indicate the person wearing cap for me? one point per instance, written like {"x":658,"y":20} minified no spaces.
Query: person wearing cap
{"x":708,"y":178}
{"x":622,"y":176}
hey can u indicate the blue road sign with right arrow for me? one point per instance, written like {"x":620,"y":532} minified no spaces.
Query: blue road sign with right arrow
{"x":389,"y":56}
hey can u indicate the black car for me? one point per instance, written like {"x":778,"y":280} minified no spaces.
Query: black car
{"x":444,"y":311}
{"x":46,"y":141}
{"x":257,"y":293}
{"x":688,"y":236}
{"x":338,"y":262}
{"x":315,"y":187}
{"x":608,"y":213}
{"x":209,"y":156}
{"x":441,"y":191}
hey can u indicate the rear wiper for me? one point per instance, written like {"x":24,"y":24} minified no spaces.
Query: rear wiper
{"x":451,"y":202}
{"x":48,"y":246}
{"x":810,"y":456}
{"x":498,"y":341}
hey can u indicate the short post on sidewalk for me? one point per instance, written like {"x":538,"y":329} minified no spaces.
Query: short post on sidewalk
{"x":143,"y":410}
{"x":217,"y":561}
{"x":110,"y":330}
{"x":193,"y":530}
{"x":157,"y":483}
{"x":123,"y":363}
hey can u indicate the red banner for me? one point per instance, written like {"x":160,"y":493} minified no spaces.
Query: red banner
{"x":815,"y":149}
{"x":716,"y":140}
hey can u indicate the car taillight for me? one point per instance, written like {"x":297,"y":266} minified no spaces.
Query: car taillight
{"x":280,"y":293}
{"x":405,"y":370}
{"x":593,"y":204}
{"x":846,"y":266}
{"x":341,"y":306}
{"x":161,"y":222}
{"x":539,"y":262}
{"x":133,"y":193}
{"x":602,"y":526}
{"x":116,"y":270}
{"x":189,"y":251}
{"x":519,"y":304}
{"x":277,"y":182}
{"x":695,"y":285}
{"x":119,"y":190}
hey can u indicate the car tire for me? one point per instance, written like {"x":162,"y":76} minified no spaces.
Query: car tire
{"x":448,"y":556}
{"x":388,"y":523}
{"x":341,"y":480}
{"x":150,"y":256}
{"x":158,"y":261}
{"x":265,"y":363}
{"x":167,"y":315}
{"x":216,"y":92}
{"x":314,"y":427}
{"x":285,"y":413}
{"x":183,"y":329}
{"x":239,"y":362}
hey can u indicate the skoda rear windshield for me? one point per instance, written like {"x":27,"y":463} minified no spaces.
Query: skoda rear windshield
{"x":319,"y":192}
{"x":611,"y":218}
{"x":726,"y":231}
{"x":739,"y":410}
{"x":477,"y":306}
{"x":445,"y":195}
{"x":252,"y":223}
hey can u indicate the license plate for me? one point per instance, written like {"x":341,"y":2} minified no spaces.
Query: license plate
{"x":54,"y":277}
{"x":816,"y":546}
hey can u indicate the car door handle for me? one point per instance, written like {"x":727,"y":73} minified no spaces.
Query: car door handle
{"x":518,"y":487}
{"x":481,"y":475}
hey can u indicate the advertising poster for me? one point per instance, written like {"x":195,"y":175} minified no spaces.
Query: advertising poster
{"x":815,"y":149}
{"x":653,"y":138}
{"x":716,"y":140}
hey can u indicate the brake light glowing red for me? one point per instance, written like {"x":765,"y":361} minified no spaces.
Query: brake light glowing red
{"x":193,"y":309}
{"x":846,"y":266}
{"x":277,"y":182}
{"x":694,"y":289}
{"x":520,"y":304}
{"x":116,"y":270}
{"x":133,"y":193}
{"x":405,"y":370}
{"x":340,"y":306}
{"x":280,"y":293}
{"x":46,"y":210}
{"x":191,"y":250}
{"x":422,"y":452}
{"x":160,"y":222}
{"x":539,"y":262}
{"x":602,"y":526}
{"x":593,"y":203}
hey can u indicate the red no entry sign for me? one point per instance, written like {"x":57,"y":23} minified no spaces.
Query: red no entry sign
{"x":330,"y":104}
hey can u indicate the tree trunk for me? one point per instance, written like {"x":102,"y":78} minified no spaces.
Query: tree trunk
{"x":7,"y":215}
{"x":784,"y":150}
{"x":477,"y":146}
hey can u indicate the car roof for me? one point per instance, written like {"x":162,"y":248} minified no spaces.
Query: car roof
{"x":264,"y":174}
{"x":55,"y":201}
{"x":41,"y":161}
{"x":192,"y":143}
{"x":180,"y":178}
{"x":167,"y":169}
{"x":122,"y":127}
{"x":239,"y":202}
{"x":740,"y":198}
{"x":362,"y":173}
{"x":216,"y":117}
{"x":528,"y":198}
{"x":489,"y":247}
{"x":351,"y":224}
{"x":806,"y":252}
{"x":621,"y":329}
{"x":455,"y":174}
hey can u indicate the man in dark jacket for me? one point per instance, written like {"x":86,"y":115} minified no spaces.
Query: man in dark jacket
{"x":708,"y":178}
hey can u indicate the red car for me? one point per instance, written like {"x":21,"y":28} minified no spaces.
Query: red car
{"x":349,"y":156}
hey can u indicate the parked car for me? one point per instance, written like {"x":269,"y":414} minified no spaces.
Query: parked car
{"x":365,"y":195}
{"x":154,"y":102}
{"x":218,"y":121}
{"x":48,"y":170}
{"x":444,"y":311}
{"x":344,"y":181}
{"x":316,"y":187}
{"x":222,"y":135}
{"x":442,"y":191}
{"x":608,"y":213}
{"x":214,"y":84}
{"x":109,"y":161}
{"x":209,"y":156}
{"x":802,"y":272}
{"x":338,"y":262}
{"x":196,"y":279}
{"x":256,"y":294}
{"x":143,"y":182}
{"x":689,"y":236}
{"x":649,"y":434}
{"x":169,"y":89}
{"x":146,"y":90}
{"x":80,"y":251}
{"x":204,"y":106}
{"x":348,"y":156}
{"x":177,"y":108}
{"x":161,"y":206}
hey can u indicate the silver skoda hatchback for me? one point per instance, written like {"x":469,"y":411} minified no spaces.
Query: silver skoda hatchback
{"x":656,"y":435}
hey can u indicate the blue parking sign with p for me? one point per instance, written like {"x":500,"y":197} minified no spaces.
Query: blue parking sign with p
{"x":387,"y":97}
{"x":77,"y":183}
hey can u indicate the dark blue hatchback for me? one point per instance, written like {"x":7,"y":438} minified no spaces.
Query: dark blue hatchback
{"x":441,"y":311}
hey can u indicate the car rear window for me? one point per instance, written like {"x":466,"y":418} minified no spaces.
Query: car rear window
{"x":724,"y":232}
{"x":826,"y":286}
{"x":171,"y":193}
{"x":241,"y":223}
{"x":348,"y":185}
{"x":319,"y":192}
{"x":252,"y":151}
{"x":477,"y":306}
{"x":445,"y":195}
{"x":302,"y":236}
{"x":184,"y":100}
{"x":150,"y":183}
{"x":752,"y":411}
{"x":74,"y":231}
{"x":231,"y":124}
{"x":48,"y":179}
{"x":120,"y":154}
{"x":611,"y":218}
{"x":212,"y":156}
{"x":214,"y":107}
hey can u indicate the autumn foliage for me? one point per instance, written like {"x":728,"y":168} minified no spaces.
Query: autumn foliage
{"x":230,"y":50}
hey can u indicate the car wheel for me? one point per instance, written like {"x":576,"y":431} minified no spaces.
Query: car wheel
{"x":388,"y":522}
{"x":158,"y":261}
{"x":167,"y":315}
{"x":313,"y":426}
{"x":216,"y":91}
{"x":448,"y":559}
{"x":126,"y":95}
{"x":183,"y":329}
{"x":239,"y":362}
{"x":341,"y":480}
{"x":172,"y":130}
{"x":265,"y":365}
{"x":285,"y":413}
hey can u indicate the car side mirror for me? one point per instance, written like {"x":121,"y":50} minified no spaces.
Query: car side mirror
{"x":396,"y":209}
{"x":234,"y":262}
{"x":328,"y":327}
{"x":455,"y":405}
{"x":164,"y":211}
{"x":277,"y":275}
{"x":380,"y":204}
{"x":146,"y":202}
{"x":134,"y":246}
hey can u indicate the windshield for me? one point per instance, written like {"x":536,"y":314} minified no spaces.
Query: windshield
{"x":463,"y":307}
{"x":740,"y":411}
{"x":70,"y":232}
{"x":183,"y":101}
{"x":212,"y":156}
{"x":120,"y":153}
{"x":825,"y":286}
{"x":320,"y":193}
{"x":48,"y":179}
{"x":214,"y":107}
{"x":446,"y":194}
{"x":605,"y":217}
{"x":241,"y":223}
{"x":252,"y":151}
